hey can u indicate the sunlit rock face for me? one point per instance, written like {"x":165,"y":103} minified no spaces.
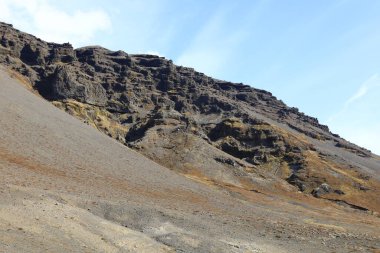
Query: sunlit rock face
{"x":226,"y":132}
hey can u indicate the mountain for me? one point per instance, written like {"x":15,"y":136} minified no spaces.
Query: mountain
{"x":218,"y":167}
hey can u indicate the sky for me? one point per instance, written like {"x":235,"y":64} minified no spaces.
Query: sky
{"x":320,"y":56}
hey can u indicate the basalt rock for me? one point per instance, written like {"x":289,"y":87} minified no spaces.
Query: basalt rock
{"x":321,"y":190}
{"x":188,"y":121}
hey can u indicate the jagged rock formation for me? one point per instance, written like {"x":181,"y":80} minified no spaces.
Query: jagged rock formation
{"x":210,"y":130}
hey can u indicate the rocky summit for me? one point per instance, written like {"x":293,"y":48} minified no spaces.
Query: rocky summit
{"x":230,"y":137}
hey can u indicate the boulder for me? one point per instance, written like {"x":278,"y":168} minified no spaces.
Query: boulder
{"x":321,"y":190}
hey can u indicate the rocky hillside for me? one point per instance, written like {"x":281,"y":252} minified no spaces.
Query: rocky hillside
{"x":216,"y":132}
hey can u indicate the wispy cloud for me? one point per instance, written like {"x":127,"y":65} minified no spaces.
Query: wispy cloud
{"x":152,"y":52}
{"x":45,"y":19}
{"x":358,"y":119}
{"x":207,"y":51}
{"x":143,"y":26}
{"x":364,"y":88}
{"x":216,"y":42}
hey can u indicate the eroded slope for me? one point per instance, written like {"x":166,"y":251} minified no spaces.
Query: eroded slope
{"x":204,"y":128}
{"x":65,"y":187}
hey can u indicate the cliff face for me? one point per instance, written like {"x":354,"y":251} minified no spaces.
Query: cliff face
{"x":213,"y":131}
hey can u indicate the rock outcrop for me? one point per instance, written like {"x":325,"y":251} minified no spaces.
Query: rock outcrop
{"x":225,"y":132}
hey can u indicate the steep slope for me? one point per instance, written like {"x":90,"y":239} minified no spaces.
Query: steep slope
{"x":65,"y":187}
{"x":207,"y":129}
{"x":62,"y":180}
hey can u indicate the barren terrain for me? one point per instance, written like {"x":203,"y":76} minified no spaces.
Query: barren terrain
{"x":67,"y":187}
{"x":152,"y":157}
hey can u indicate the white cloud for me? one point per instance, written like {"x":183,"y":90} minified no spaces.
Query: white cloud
{"x":211,"y":49}
{"x":152,"y":52}
{"x":364,"y":88}
{"x":46,"y":20}
{"x":217,"y":42}
{"x":144,"y":26}
{"x":358,"y":120}
{"x":4,"y":11}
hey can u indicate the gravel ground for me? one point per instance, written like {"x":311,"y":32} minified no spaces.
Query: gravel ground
{"x":65,"y":187}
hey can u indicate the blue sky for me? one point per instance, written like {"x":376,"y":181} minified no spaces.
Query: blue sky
{"x":320,"y":56}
